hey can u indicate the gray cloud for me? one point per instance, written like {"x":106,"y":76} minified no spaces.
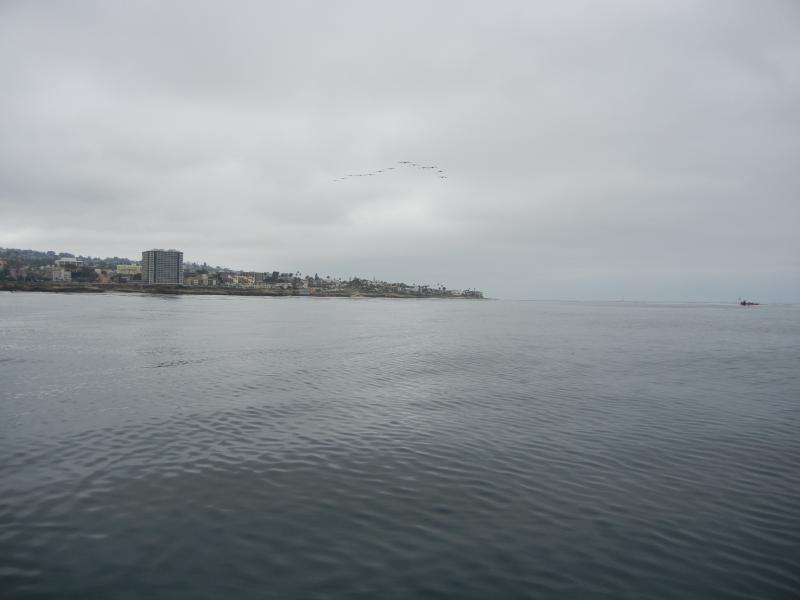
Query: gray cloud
{"x":636,"y":149}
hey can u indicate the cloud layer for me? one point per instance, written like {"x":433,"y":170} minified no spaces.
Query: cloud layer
{"x":622,"y":149}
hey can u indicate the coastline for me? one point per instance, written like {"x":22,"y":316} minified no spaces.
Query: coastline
{"x":175,"y":290}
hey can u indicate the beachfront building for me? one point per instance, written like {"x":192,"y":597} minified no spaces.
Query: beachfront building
{"x":162,"y":267}
{"x":200,"y":279}
{"x":62,"y":275}
{"x":128,"y":270}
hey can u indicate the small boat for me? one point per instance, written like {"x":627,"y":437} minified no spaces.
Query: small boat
{"x":748,"y":303}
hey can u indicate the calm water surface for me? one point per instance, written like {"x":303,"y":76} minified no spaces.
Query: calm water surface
{"x":191,"y":447}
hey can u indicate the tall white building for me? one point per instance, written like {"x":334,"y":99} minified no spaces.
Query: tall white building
{"x":162,"y":266}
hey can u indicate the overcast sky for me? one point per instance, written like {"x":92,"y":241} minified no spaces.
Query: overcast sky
{"x":594,"y":150}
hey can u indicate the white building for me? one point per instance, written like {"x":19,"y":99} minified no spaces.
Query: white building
{"x":162,"y":267}
{"x":62,"y":275}
{"x":69,"y":263}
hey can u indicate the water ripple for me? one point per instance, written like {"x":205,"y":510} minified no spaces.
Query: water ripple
{"x":386,"y":449}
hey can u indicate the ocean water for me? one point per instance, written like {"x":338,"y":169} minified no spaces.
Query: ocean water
{"x":220,"y":447}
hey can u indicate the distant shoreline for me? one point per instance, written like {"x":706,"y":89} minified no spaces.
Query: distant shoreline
{"x":175,"y":290}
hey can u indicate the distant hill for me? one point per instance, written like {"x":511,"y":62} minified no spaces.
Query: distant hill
{"x":37,"y":258}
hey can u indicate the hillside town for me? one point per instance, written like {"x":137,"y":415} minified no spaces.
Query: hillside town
{"x":166,"y":269}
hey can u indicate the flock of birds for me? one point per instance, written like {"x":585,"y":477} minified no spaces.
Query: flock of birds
{"x":405,"y":163}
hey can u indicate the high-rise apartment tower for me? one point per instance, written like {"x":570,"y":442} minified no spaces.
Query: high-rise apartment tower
{"x":162,"y":266}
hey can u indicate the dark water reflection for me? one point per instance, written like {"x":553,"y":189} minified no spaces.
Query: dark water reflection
{"x":220,"y":447}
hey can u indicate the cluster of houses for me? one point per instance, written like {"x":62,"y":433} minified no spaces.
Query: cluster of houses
{"x":66,"y":269}
{"x":315,"y":285}
{"x":71,"y":269}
